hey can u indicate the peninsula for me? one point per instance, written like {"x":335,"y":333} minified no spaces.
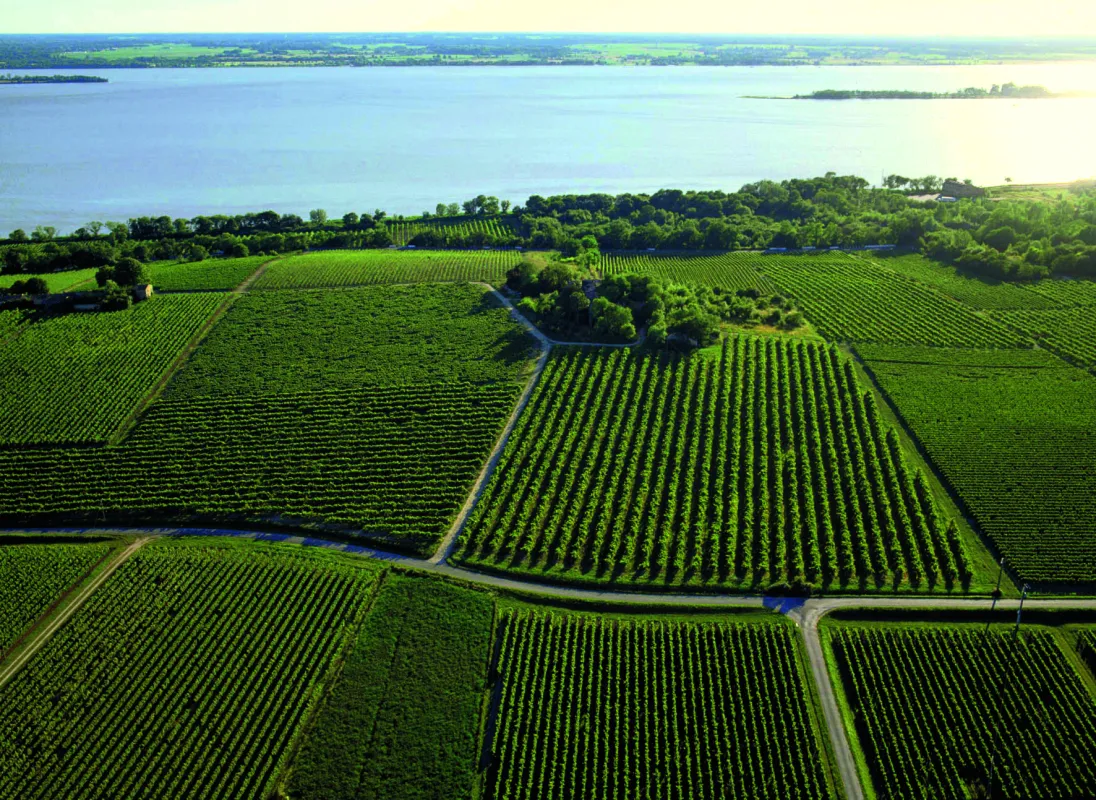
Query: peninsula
{"x":51,"y":79}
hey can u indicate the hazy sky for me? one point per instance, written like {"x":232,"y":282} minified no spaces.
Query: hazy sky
{"x":879,"y":17}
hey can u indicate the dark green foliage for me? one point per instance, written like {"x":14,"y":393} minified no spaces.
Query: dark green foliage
{"x":607,"y":708}
{"x":1014,"y":433}
{"x":935,"y":707}
{"x":187,"y":674}
{"x":402,"y":720}
{"x":286,"y":342}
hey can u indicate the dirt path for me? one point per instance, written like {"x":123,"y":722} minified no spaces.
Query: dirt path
{"x":9,"y":669}
{"x":254,"y":276}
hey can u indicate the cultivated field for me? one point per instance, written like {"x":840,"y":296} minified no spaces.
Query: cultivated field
{"x":767,"y":464}
{"x":939,"y":710}
{"x":364,"y":267}
{"x":186,"y":675}
{"x":56,"y":281}
{"x":1014,"y":434}
{"x":212,"y":274}
{"x":75,"y":378}
{"x":972,"y":291}
{"x":1069,"y":332}
{"x":725,"y":270}
{"x":599,"y":708}
{"x":462,"y":228}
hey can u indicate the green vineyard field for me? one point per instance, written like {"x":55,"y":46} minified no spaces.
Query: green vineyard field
{"x":337,"y":268}
{"x":849,"y":298}
{"x":212,"y":274}
{"x":1066,"y":293}
{"x":394,"y":464}
{"x":187,"y":674}
{"x":1070,"y":332}
{"x":732,"y":271}
{"x":286,"y":342}
{"x":68,"y":281}
{"x":938,"y":710}
{"x":403,"y":718}
{"x":404,"y":231}
{"x":33,"y":576}
{"x":75,"y":378}
{"x":769,"y":464}
{"x":1015,"y":436}
{"x":599,"y":708}
{"x":970,"y":290}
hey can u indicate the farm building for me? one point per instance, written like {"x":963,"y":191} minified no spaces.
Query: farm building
{"x":962,"y":190}
{"x":143,"y":292}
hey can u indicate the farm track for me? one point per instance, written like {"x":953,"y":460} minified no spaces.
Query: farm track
{"x":805,"y":613}
{"x":42,"y":636}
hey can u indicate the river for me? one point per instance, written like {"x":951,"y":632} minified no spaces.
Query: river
{"x":189,"y":141}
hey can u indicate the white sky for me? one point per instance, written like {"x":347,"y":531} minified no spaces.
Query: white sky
{"x":981,"y":18}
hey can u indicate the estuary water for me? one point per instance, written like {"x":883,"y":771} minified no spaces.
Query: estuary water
{"x":201,"y":141}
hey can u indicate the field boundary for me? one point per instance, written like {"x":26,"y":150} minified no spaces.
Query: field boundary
{"x":151,"y":396}
{"x":56,"y":623}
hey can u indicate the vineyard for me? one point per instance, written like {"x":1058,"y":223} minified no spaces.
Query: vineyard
{"x":938,"y":710}
{"x":75,"y":378}
{"x":768,"y":464}
{"x":1086,"y":646}
{"x":33,"y":576}
{"x":1066,"y":293}
{"x":337,"y":268}
{"x":848,"y":298}
{"x":974,"y":292}
{"x":1015,"y":436}
{"x":287,"y":342}
{"x":490,"y":229}
{"x":1071,"y":332}
{"x":598,"y":708}
{"x":11,"y":321}
{"x":392,"y":463}
{"x":402,"y":720}
{"x":186,"y":675}
{"x":68,"y":281}
{"x":732,"y":271}
{"x":219,"y":273}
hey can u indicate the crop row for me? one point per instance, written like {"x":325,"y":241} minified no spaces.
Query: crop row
{"x":336,"y":268}
{"x":852,"y":299}
{"x":216,"y":273}
{"x":1069,"y":332}
{"x":74,"y":378}
{"x":394,"y":464}
{"x":33,"y":576}
{"x":284,"y":342}
{"x":769,"y":464}
{"x":971,"y":290}
{"x":402,"y":719}
{"x":1067,"y":292}
{"x":490,"y":229}
{"x":598,"y":708}
{"x":966,"y":713}
{"x":1086,"y":646}
{"x":732,"y":271}
{"x":1017,"y":443}
{"x":186,"y":675}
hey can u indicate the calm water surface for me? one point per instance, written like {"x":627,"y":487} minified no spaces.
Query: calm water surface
{"x":190,"y":141}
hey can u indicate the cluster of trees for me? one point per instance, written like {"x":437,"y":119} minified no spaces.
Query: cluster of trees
{"x":1006,"y":239}
{"x":31,"y":286}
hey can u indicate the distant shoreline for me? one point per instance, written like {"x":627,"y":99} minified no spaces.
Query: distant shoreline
{"x":1008,"y":91}
{"x":30,"y":79}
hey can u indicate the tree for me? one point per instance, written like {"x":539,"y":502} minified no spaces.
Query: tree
{"x":18,"y":235}
{"x":130,"y":272}
{"x":15,"y":261}
{"x":452,"y":210}
{"x":240,"y":250}
{"x":43,"y":233}
{"x":350,"y":220}
{"x":505,"y":205}
{"x":36,"y":286}
{"x":490,"y":205}
{"x":196,"y":253}
{"x":441,"y":210}
{"x":317,"y":217}
{"x":613,"y":321}
{"x":115,"y":298}
{"x":469,"y":207}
